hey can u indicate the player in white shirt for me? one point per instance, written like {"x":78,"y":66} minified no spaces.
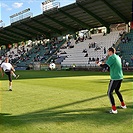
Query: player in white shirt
{"x":9,"y":71}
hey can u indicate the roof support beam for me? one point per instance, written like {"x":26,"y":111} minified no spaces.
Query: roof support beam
{"x":8,"y":37}
{"x":61,"y":23}
{"x":14,"y":37}
{"x":25,"y":31}
{"x":37,"y":30}
{"x":47,"y":26}
{"x":104,"y":23}
{"x":21,"y":36}
{"x":2,"y":40}
{"x":116,"y":11}
{"x":84,"y":25}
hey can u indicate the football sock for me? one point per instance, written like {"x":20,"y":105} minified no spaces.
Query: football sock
{"x":114,"y":107}
{"x":10,"y":87}
{"x":14,"y":75}
{"x":122,"y":104}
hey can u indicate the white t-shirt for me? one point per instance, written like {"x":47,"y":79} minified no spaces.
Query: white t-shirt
{"x":127,"y":63}
{"x":6,"y":66}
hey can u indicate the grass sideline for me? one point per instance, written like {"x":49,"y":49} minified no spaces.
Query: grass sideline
{"x":63,"y":102}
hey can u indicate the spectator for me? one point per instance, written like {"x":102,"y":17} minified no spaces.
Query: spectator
{"x":86,"y":55}
{"x":74,"y":67}
{"x":90,"y":37}
{"x":125,"y":40}
{"x":68,"y":44}
{"x":127,"y":65}
{"x":85,"y":51}
{"x":76,"y":41}
{"x":103,"y":59}
{"x":64,"y":52}
{"x":93,"y":59}
{"x":90,"y":60}
{"x":113,"y":45}
{"x":104,"y":34}
{"x":97,"y":48}
{"x":71,"y":46}
{"x":104,"y":50}
{"x":124,"y":63}
{"x":97,"y":59}
{"x":121,"y":33}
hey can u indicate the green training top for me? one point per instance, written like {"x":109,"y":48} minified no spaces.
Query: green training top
{"x":114,"y":61}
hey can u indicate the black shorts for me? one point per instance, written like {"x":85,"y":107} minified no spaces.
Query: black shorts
{"x":9,"y":75}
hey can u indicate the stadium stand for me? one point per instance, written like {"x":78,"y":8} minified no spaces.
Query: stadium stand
{"x":125,"y":49}
{"x":59,"y":22}
{"x":90,"y":50}
{"x":26,"y":55}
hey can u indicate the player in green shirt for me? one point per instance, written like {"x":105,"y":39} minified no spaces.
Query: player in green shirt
{"x":116,"y":74}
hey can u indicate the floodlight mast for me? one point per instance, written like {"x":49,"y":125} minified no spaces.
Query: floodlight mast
{"x":50,"y":4}
{"x":20,"y":15}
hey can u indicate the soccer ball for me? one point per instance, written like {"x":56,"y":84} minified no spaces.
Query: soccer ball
{"x":52,"y":66}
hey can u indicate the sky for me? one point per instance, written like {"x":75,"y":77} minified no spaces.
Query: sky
{"x":10,"y":7}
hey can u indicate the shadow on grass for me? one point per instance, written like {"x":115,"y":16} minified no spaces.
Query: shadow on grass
{"x":129,"y":79}
{"x":59,"y":74}
{"x":54,"y":74}
{"x":59,"y":115}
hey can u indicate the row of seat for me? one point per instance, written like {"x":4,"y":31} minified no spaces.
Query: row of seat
{"x":126,"y":49}
{"x":76,"y":55}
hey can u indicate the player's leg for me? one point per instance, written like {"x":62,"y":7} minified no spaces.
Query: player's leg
{"x":9,"y":74}
{"x":10,"y":86}
{"x":10,"y":81}
{"x":14,"y":75}
{"x":111,"y":88}
{"x":119,"y":94}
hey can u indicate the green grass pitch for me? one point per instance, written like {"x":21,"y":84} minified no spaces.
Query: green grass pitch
{"x":63,"y":102}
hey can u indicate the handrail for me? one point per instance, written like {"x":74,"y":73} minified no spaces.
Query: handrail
{"x":119,"y":40}
{"x":55,"y":51}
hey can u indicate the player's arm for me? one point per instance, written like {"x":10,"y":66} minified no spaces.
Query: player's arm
{"x":102,"y":64}
{"x":1,"y":70}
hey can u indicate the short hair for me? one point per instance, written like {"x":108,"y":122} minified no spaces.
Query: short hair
{"x":6,"y":57}
{"x":112,"y":50}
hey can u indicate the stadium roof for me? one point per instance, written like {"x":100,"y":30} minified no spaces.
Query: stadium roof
{"x":84,"y":14}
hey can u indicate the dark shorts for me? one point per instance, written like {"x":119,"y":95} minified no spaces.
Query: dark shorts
{"x":115,"y":84}
{"x":8,"y":73}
